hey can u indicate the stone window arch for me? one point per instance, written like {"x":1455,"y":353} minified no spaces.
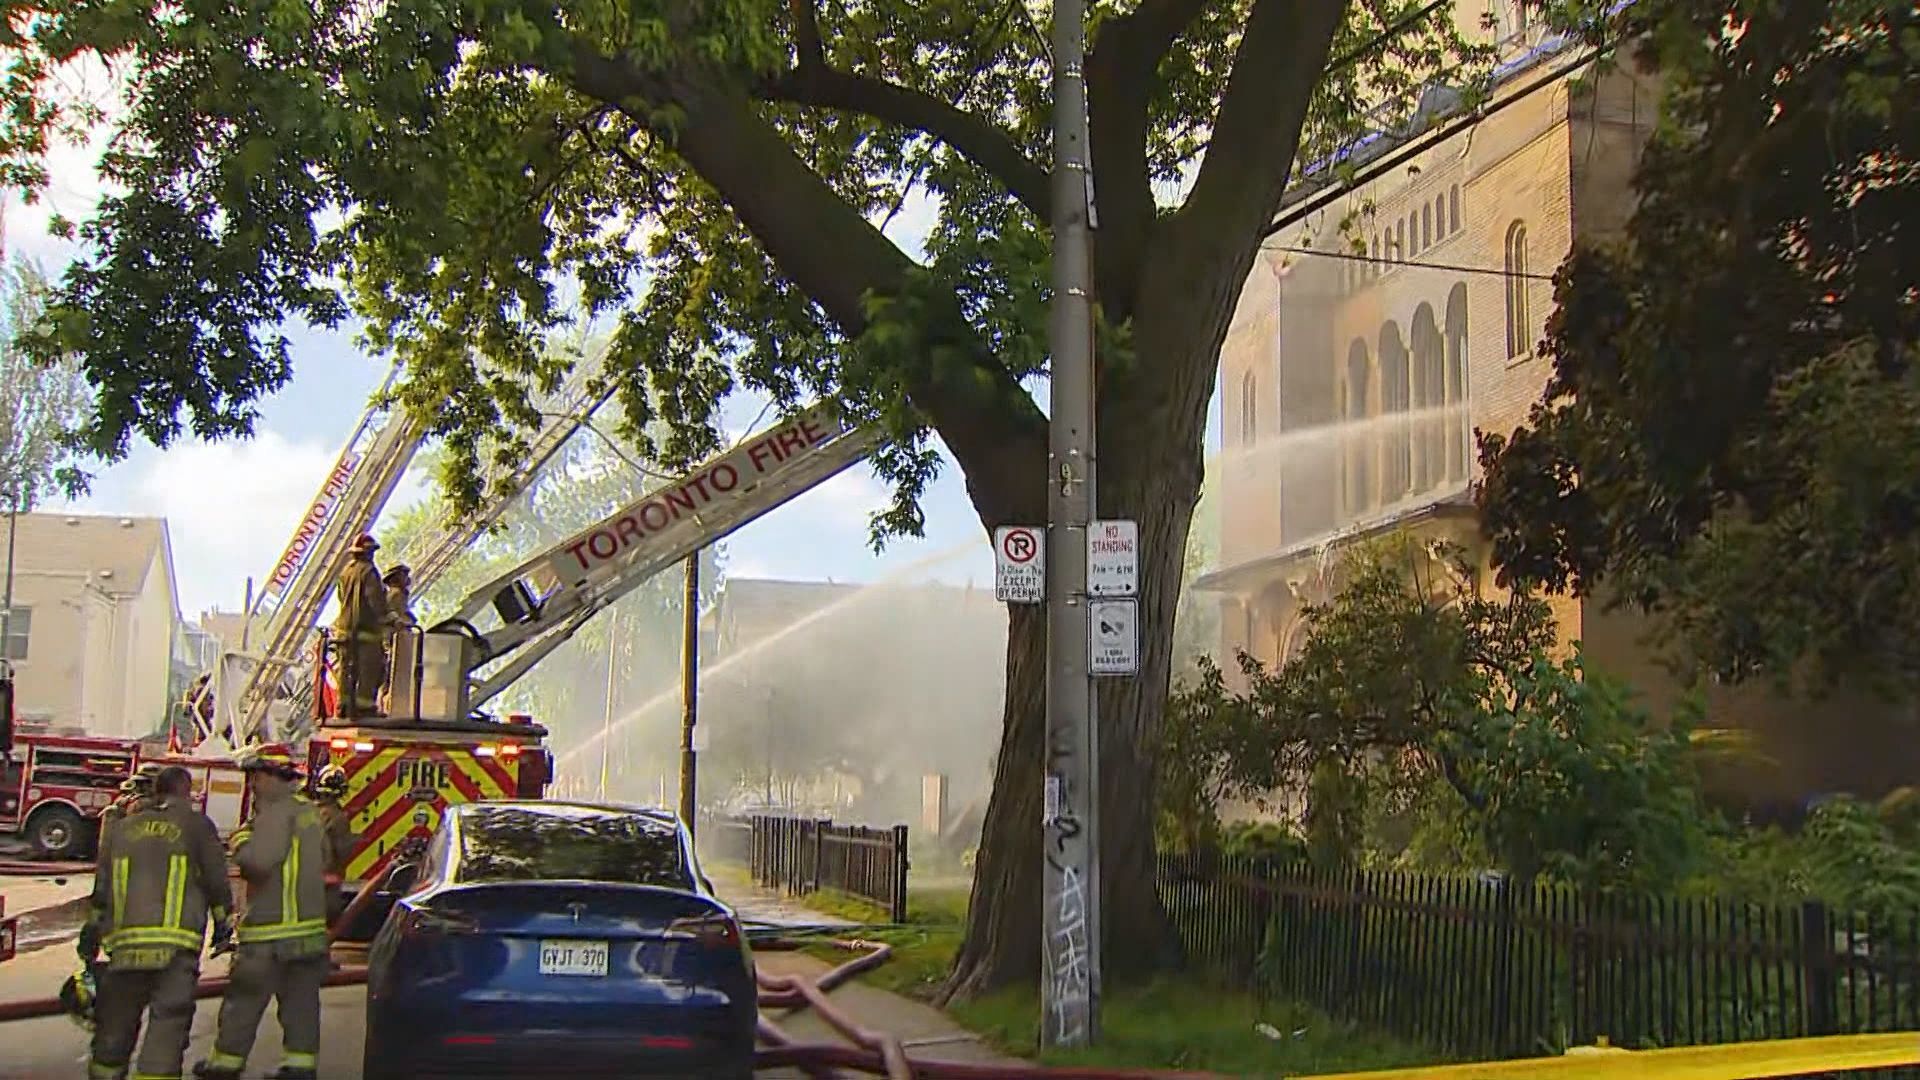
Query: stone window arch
{"x":1396,"y":467}
{"x":1356,"y":484}
{"x":1429,"y":400}
{"x":1459,"y":422}
{"x":1519,"y":319}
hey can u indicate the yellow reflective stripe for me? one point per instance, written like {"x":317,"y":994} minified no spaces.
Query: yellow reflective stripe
{"x":220,"y":1059}
{"x":289,"y":883}
{"x":154,"y":1076}
{"x":119,"y":876}
{"x":292,"y":1060}
{"x":151,"y":935}
{"x":176,"y":891}
{"x":100,"y":1070}
{"x":252,"y":935}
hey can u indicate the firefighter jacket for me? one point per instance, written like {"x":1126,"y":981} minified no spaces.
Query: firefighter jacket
{"x":363,"y":602}
{"x":161,"y":873}
{"x":115,"y":813}
{"x":282,"y":853}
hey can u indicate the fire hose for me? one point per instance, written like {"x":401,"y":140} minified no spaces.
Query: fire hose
{"x":872,"y":1052}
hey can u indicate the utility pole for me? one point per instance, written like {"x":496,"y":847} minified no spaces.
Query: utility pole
{"x":1070,"y":984}
{"x":6,"y":612}
{"x":606,"y":724}
{"x":689,"y":690}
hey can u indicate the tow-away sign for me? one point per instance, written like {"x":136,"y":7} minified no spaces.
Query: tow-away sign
{"x":1020,"y":564}
{"x":1113,"y":558}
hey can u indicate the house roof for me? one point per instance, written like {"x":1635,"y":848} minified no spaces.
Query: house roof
{"x":121,"y":550}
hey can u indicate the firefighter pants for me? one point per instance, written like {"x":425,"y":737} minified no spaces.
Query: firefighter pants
{"x":263,"y":971}
{"x":166,"y":997}
{"x":363,"y":671}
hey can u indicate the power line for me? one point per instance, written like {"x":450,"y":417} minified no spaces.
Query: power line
{"x":1454,"y":267}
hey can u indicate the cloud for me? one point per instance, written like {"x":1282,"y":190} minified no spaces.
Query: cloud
{"x":231,"y":508}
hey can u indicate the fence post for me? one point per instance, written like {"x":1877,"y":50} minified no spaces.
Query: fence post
{"x":819,"y":850}
{"x":900,"y":873}
{"x":1504,"y":929}
{"x":1816,"y":969}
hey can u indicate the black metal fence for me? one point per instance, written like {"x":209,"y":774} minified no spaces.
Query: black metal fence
{"x":803,"y":855}
{"x":1487,"y":968}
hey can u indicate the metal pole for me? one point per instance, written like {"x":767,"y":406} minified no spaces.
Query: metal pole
{"x":689,"y":689}
{"x":6,"y":612}
{"x":1070,"y":988}
{"x":606,"y":725}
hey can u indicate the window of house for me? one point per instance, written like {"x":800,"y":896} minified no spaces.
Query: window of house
{"x":19,"y":627}
{"x":1453,"y":208}
{"x":1357,"y":476}
{"x":1400,"y":241}
{"x":1440,"y":217}
{"x":1458,"y":445}
{"x":1519,"y":323}
{"x":1396,"y":468}
{"x":1249,"y":410}
{"x":1426,"y":226}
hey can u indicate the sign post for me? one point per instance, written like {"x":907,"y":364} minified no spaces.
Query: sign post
{"x":1070,"y":916}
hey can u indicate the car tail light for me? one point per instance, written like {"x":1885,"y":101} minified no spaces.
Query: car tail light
{"x":666,"y":1042}
{"x":717,"y":932}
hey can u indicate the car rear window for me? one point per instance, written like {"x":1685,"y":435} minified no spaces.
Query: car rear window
{"x":569,"y":844}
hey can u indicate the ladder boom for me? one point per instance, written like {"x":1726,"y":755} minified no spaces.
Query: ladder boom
{"x":546,"y":599}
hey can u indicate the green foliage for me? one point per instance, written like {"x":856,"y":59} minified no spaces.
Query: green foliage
{"x":1268,"y":840}
{"x":1415,"y":699}
{"x":1731,"y":436}
{"x":1846,"y":855}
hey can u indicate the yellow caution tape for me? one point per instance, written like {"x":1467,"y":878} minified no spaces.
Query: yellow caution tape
{"x":1731,"y":1061}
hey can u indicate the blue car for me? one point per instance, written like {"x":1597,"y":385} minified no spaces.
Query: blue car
{"x":560,"y":939}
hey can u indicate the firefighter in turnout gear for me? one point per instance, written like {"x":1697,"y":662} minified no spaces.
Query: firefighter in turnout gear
{"x":328,"y":789}
{"x":282,"y":854}
{"x":400,"y":623}
{"x":161,"y":876}
{"x":361,"y":630}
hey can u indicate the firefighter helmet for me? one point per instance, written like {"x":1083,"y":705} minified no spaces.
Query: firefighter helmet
{"x":132,"y":786}
{"x":272,"y":758}
{"x":366,"y":542}
{"x":331,"y":781}
{"x":77,"y":996}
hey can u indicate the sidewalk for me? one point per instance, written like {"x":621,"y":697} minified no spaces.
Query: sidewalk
{"x":927,"y":1033}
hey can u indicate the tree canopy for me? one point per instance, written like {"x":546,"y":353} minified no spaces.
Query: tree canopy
{"x":1731,"y":437}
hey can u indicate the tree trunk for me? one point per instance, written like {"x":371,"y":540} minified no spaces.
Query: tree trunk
{"x":1152,"y":477}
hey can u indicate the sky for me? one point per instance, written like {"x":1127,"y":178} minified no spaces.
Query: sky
{"x":231,"y":506}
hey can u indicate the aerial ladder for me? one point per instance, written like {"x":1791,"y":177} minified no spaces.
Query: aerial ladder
{"x":511,"y":623}
{"x":255,"y":681}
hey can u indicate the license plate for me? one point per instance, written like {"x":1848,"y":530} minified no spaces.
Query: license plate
{"x":563,"y":957}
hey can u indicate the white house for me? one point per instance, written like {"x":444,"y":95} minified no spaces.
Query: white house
{"x":92,"y":633}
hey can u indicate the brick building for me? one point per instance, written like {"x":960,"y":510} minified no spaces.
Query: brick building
{"x":1396,"y":312}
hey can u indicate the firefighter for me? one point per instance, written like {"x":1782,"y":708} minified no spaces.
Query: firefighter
{"x":161,"y":876}
{"x":361,"y":630}
{"x":328,"y":789}
{"x":400,"y":621}
{"x":282,"y":853}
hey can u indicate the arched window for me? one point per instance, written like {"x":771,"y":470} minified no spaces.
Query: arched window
{"x":1453,"y":208}
{"x":1429,"y":400}
{"x":1413,"y":232}
{"x":1249,"y":410}
{"x":1396,"y":468}
{"x":1519,"y":321}
{"x":1357,"y":447}
{"x":1400,"y":241}
{"x":1459,"y":419}
{"x":1426,"y":226}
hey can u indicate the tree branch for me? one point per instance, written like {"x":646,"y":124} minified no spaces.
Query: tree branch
{"x":1257,"y":130}
{"x":1121,"y":70}
{"x":838,"y":258}
{"x":806,"y":32}
{"x":977,"y":139}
